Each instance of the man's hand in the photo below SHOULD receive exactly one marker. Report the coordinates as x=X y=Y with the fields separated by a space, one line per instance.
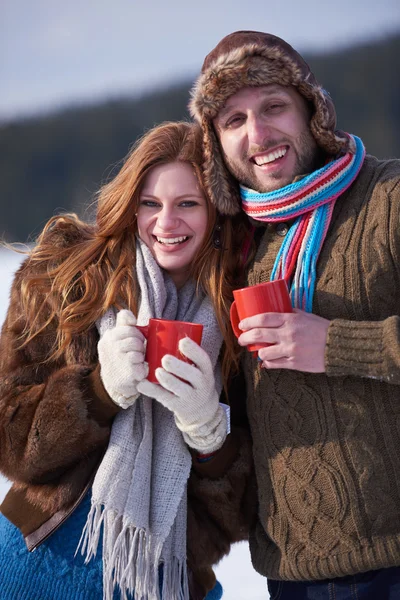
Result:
x=299 y=340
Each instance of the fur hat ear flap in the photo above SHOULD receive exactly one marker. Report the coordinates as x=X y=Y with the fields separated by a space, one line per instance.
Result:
x=323 y=122
x=222 y=189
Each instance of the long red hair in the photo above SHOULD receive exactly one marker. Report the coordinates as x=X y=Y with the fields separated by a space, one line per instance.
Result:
x=90 y=267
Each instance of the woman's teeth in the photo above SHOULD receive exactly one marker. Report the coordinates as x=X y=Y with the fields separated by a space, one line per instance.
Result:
x=169 y=241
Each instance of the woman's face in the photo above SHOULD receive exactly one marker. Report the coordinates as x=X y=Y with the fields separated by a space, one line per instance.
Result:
x=172 y=217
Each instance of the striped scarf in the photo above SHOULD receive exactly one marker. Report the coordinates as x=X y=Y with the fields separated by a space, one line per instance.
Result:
x=310 y=202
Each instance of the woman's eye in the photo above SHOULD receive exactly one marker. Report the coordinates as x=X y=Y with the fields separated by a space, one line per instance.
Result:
x=188 y=203
x=149 y=203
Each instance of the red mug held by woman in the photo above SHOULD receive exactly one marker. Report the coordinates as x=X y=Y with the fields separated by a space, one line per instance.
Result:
x=163 y=338
x=272 y=296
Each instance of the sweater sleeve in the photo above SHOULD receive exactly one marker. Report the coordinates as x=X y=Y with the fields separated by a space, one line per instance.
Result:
x=364 y=349
x=53 y=413
x=371 y=347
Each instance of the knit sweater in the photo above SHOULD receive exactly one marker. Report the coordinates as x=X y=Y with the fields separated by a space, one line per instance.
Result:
x=327 y=446
x=54 y=571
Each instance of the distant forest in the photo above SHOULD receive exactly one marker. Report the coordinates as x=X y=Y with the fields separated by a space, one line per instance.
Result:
x=56 y=163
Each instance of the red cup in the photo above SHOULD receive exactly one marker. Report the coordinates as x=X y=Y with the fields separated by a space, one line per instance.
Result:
x=163 y=338
x=272 y=296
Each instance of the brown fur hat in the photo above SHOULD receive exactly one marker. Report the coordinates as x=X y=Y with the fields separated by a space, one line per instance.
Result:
x=251 y=58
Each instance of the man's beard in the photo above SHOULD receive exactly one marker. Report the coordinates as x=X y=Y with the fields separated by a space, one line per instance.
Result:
x=307 y=161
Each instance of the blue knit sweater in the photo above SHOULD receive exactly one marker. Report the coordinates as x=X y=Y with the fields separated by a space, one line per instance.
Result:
x=52 y=572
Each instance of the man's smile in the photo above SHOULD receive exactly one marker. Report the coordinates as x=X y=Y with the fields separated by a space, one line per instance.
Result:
x=269 y=157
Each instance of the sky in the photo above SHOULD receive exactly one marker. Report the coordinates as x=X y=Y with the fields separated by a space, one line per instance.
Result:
x=55 y=53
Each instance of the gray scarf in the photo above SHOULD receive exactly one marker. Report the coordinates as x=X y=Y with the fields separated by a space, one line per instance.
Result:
x=139 y=492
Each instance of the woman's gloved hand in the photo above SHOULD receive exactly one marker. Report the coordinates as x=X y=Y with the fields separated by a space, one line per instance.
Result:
x=121 y=355
x=194 y=401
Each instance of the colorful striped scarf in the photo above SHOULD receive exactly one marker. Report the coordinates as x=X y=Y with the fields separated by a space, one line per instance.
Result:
x=310 y=202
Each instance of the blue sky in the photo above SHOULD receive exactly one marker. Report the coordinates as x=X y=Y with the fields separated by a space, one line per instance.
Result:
x=53 y=53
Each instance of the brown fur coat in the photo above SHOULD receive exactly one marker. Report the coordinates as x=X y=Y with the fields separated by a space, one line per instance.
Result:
x=55 y=422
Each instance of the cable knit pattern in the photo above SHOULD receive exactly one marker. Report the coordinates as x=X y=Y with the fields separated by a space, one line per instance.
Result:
x=327 y=446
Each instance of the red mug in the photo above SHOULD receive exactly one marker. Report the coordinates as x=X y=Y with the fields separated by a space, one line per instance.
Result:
x=163 y=338
x=272 y=296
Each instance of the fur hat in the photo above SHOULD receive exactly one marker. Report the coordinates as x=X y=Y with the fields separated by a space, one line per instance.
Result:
x=251 y=58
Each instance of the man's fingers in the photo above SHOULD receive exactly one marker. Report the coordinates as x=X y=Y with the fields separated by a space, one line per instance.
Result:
x=260 y=336
x=275 y=352
x=265 y=320
x=280 y=363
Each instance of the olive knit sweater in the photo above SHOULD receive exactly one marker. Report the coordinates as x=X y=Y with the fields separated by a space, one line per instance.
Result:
x=327 y=446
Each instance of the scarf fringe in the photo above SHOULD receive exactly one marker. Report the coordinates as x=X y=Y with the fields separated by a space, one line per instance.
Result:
x=175 y=581
x=90 y=536
x=134 y=564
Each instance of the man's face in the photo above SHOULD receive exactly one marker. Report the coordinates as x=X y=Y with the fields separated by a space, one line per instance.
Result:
x=265 y=136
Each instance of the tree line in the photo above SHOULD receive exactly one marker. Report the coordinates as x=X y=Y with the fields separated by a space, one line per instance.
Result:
x=57 y=162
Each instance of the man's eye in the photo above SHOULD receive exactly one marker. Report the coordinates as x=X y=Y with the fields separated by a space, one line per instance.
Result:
x=235 y=121
x=274 y=107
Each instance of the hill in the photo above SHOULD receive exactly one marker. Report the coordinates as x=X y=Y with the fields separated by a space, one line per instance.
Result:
x=57 y=162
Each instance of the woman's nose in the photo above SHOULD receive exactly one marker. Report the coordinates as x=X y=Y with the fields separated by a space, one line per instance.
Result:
x=167 y=219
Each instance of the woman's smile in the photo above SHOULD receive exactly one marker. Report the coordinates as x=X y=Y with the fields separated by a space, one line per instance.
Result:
x=172 y=217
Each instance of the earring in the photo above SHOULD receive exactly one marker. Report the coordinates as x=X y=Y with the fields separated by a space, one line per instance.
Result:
x=217 y=243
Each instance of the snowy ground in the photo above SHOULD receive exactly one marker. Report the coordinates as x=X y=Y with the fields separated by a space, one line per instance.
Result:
x=238 y=578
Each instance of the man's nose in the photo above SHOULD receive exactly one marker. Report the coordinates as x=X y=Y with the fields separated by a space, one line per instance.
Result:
x=257 y=130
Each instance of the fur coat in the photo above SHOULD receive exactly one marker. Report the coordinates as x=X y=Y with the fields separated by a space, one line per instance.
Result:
x=55 y=422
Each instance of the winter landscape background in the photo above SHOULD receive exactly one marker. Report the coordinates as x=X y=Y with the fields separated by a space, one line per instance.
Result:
x=75 y=77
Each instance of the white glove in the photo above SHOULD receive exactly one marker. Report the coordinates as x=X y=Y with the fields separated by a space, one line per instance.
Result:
x=194 y=402
x=121 y=356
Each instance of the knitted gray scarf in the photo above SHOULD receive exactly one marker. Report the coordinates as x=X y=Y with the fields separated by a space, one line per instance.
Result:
x=139 y=492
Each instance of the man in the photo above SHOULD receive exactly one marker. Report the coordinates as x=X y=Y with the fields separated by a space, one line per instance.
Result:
x=324 y=397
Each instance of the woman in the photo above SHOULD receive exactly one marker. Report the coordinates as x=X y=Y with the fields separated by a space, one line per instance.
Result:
x=136 y=483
